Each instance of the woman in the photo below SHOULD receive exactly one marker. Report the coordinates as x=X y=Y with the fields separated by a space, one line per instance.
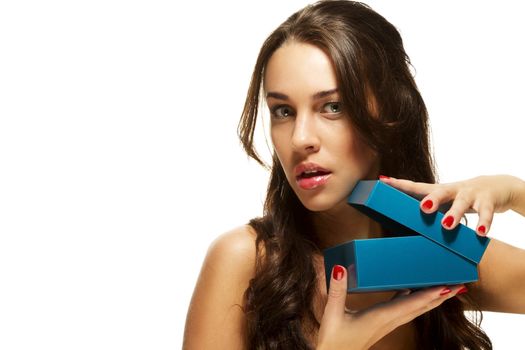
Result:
x=344 y=107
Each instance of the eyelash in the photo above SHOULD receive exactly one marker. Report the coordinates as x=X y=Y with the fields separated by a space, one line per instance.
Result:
x=274 y=110
x=333 y=103
x=277 y=108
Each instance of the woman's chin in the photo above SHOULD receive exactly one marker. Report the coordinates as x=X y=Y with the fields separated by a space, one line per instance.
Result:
x=318 y=205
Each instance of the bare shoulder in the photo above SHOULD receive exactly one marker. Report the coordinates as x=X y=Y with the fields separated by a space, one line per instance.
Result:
x=234 y=246
x=216 y=316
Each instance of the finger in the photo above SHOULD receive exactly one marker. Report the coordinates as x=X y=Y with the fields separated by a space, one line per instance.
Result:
x=445 y=294
x=486 y=214
x=453 y=215
x=438 y=199
x=404 y=309
x=335 y=305
x=418 y=303
x=414 y=189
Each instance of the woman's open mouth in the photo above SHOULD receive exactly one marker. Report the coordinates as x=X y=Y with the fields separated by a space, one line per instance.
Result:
x=310 y=179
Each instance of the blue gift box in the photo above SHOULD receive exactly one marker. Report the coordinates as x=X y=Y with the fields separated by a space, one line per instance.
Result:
x=425 y=254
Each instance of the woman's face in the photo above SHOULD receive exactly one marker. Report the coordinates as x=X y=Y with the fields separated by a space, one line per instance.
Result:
x=311 y=134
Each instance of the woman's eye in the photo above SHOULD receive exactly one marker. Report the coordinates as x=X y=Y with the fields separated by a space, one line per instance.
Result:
x=332 y=107
x=282 y=111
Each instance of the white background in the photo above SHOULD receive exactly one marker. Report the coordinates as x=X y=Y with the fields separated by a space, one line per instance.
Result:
x=119 y=162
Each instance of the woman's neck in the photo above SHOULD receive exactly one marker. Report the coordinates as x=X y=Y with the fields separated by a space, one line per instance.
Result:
x=343 y=223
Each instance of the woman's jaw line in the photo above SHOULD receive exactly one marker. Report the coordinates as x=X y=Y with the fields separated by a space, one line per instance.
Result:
x=343 y=223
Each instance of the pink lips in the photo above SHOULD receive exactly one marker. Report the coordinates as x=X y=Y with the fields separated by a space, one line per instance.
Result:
x=311 y=175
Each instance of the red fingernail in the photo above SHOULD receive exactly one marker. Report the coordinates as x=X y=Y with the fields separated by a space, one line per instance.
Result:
x=338 y=272
x=428 y=204
x=482 y=229
x=383 y=177
x=462 y=290
x=445 y=291
x=449 y=220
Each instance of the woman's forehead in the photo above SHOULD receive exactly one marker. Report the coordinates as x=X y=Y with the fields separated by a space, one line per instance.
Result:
x=299 y=68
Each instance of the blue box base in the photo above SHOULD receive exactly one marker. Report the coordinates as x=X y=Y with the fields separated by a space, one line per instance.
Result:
x=398 y=263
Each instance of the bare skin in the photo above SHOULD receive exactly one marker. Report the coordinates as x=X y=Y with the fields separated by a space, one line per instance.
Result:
x=308 y=125
x=215 y=318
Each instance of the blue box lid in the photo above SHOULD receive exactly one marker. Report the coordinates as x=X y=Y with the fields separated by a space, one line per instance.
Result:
x=392 y=208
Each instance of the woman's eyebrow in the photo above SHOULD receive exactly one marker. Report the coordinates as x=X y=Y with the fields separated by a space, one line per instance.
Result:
x=324 y=93
x=277 y=95
x=316 y=96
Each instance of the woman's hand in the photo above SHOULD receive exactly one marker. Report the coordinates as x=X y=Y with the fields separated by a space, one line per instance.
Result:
x=362 y=329
x=485 y=195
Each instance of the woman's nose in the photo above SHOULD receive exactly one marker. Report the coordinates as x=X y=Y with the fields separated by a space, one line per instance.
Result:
x=305 y=137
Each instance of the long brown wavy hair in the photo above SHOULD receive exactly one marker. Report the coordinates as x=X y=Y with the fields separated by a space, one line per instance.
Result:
x=369 y=60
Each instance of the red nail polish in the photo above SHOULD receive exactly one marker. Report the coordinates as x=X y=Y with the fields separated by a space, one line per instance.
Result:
x=338 y=272
x=445 y=291
x=482 y=229
x=449 y=220
x=462 y=291
x=428 y=204
x=383 y=177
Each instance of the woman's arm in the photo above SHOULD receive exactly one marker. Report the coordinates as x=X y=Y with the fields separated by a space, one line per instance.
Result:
x=501 y=284
x=215 y=317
